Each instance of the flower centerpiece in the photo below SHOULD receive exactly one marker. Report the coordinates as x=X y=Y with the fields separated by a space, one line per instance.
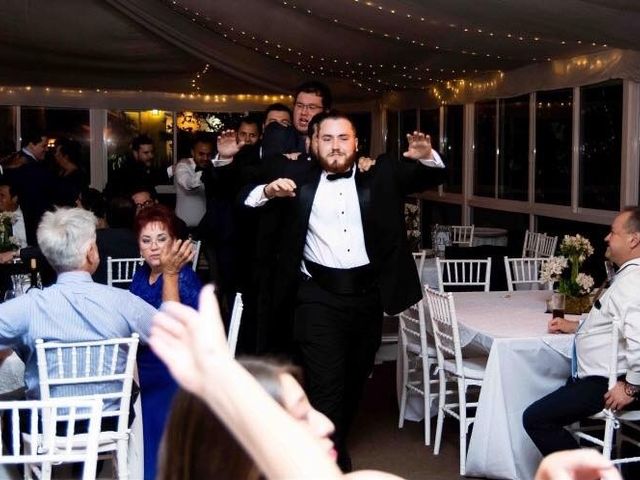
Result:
x=7 y=242
x=565 y=270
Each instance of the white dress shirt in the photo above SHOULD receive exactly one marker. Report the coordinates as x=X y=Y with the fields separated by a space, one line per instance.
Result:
x=620 y=303
x=191 y=202
x=335 y=237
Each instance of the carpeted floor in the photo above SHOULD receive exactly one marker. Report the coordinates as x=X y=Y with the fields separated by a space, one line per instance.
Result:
x=377 y=443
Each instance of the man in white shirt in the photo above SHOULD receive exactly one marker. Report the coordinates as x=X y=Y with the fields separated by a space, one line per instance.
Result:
x=191 y=202
x=585 y=392
x=9 y=204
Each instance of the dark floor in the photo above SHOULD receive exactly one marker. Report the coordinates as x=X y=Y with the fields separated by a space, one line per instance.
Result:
x=377 y=443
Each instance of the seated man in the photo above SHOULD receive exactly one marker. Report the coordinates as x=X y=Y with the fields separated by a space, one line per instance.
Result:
x=585 y=393
x=74 y=308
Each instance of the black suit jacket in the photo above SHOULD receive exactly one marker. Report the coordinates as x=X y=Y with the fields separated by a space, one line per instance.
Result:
x=381 y=193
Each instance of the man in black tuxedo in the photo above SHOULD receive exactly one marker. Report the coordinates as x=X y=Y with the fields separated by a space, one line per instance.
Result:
x=344 y=255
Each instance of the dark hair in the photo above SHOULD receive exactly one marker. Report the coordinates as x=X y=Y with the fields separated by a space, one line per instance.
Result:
x=121 y=212
x=142 y=139
x=633 y=223
x=32 y=137
x=334 y=115
x=317 y=88
x=157 y=213
x=250 y=120
x=202 y=137
x=196 y=444
x=277 y=107
x=151 y=190
x=92 y=200
x=6 y=183
x=312 y=126
x=69 y=148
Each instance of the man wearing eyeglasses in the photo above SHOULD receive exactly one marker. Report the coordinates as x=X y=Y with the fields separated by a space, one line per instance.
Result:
x=311 y=98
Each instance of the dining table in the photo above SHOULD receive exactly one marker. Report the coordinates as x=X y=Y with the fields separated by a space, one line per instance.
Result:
x=525 y=363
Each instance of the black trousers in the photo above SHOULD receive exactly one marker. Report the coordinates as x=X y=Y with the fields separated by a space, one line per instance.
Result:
x=578 y=399
x=337 y=336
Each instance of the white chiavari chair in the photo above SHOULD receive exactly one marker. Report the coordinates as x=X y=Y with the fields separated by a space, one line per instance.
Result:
x=234 y=323
x=101 y=369
x=464 y=273
x=462 y=235
x=44 y=433
x=120 y=271
x=452 y=367
x=524 y=273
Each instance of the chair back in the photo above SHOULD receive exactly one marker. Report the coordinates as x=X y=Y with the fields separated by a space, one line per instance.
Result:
x=464 y=273
x=49 y=436
x=234 y=323
x=412 y=327
x=419 y=257
x=100 y=369
x=524 y=272
x=546 y=246
x=462 y=235
x=445 y=327
x=530 y=245
x=120 y=271
x=196 y=244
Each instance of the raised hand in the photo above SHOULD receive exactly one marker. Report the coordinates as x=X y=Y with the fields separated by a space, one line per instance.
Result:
x=282 y=187
x=191 y=343
x=365 y=163
x=175 y=255
x=582 y=464
x=227 y=144
x=419 y=146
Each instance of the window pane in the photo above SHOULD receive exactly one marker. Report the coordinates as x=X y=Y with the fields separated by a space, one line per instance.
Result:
x=430 y=124
x=392 y=134
x=60 y=123
x=600 y=145
x=553 y=146
x=484 y=172
x=362 y=121
x=7 y=131
x=440 y=213
x=123 y=126
x=515 y=223
x=452 y=146
x=408 y=124
x=513 y=160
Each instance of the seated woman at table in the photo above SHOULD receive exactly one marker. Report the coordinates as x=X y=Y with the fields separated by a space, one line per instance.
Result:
x=164 y=276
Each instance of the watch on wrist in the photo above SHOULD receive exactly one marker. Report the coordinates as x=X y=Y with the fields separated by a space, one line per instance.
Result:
x=631 y=390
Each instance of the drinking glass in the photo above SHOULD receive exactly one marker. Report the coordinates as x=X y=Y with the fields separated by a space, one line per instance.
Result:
x=557 y=305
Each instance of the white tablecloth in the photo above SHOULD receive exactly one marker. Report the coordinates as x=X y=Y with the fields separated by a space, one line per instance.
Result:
x=525 y=363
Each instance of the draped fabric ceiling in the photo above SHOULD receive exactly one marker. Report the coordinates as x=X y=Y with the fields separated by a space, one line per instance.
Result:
x=362 y=48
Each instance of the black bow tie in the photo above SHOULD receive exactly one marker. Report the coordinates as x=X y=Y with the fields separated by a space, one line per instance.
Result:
x=334 y=176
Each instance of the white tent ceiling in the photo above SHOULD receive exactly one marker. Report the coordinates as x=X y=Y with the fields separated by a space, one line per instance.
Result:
x=361 y=48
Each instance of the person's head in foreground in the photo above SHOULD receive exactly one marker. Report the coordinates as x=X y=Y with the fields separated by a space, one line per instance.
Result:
x=156 y=228
x=67 y=238
x=581 y=464
x=623 y=241
x=197 y=445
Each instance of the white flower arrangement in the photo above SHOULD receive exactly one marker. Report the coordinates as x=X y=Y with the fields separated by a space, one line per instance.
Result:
x=575 y=250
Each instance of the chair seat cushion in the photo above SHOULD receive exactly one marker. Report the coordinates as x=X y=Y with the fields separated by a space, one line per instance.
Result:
x=473 y=367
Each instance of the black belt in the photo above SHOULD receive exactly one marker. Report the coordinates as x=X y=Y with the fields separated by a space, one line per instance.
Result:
x=343 y=281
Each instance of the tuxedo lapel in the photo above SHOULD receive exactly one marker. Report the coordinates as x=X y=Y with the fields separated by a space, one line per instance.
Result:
x=306 y=193
x=363 y=187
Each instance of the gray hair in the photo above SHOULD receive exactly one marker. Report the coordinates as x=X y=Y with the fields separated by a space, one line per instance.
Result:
x=64 y=236
x=633 y=222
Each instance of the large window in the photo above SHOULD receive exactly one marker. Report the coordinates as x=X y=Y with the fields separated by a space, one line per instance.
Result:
x=553 y=146
x=430 y=124
x=484 y=172
x=600 y=145
x=362 y=121
x=440 y=213
x=452 y=146
x=123 y=126
x=7 y=131
x=513 y=158
x=60 y=123
x=515 y=223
